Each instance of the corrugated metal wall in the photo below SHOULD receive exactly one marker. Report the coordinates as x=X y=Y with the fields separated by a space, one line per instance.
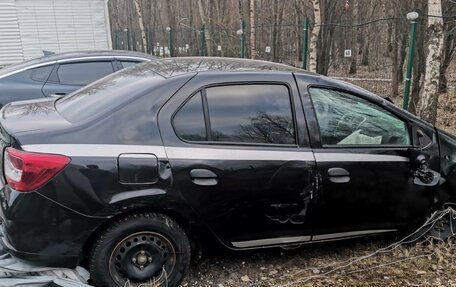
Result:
x=10 y=40
x=54 y=25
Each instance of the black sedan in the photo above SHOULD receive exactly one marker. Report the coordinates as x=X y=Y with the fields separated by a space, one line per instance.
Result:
x=131 y=172
x=59 y=75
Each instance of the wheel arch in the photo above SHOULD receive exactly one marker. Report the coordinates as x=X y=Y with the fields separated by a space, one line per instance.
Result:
x=186 y=223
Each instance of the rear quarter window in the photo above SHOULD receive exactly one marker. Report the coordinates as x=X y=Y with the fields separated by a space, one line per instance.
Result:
x=41 y=74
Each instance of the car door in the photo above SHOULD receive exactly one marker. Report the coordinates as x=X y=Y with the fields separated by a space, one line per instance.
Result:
x=363 y=153
x=240 y=156
x=70 y=76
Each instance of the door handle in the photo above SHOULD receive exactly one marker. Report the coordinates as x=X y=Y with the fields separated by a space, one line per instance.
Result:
x=338 y=175
x=203 y=177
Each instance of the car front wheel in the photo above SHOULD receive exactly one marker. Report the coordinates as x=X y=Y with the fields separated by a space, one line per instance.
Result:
x=145 y=249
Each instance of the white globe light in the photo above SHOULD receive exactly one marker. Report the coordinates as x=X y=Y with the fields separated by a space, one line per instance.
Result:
x=412 y=16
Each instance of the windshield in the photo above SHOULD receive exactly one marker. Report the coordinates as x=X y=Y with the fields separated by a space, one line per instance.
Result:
x=107 y=93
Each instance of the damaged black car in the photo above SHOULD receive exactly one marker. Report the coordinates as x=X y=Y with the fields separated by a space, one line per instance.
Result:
x=131 y=173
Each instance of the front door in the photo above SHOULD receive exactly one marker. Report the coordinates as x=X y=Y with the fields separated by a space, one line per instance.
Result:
x=240 y=157
x=363 y=158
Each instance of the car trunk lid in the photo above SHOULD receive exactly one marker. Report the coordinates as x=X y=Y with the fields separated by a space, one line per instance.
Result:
x=31 y=116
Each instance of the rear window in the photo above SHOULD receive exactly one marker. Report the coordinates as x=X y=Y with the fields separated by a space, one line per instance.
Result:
x=109 y=92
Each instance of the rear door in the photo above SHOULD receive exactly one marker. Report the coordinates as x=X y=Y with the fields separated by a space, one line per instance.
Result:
x=68 y=77
x=362 y=151
x=240 y=156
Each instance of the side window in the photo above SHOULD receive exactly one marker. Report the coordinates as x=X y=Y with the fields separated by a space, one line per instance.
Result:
x=126 y=64
x=189 y=121
x=345 y=119
x=81 y=74
x=251 y=114
x=41 y=74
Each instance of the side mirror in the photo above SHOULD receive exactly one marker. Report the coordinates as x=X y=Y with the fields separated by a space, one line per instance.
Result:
x=421 y=139
x=423 y=175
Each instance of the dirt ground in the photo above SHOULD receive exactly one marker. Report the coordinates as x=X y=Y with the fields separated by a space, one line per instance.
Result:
x=332 y=264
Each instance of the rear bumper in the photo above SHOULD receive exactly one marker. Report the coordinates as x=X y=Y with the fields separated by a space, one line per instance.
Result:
x=42 y=232
x=37 y=258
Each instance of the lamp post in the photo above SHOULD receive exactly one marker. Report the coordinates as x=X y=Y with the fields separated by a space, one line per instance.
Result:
x=412 y=17
x=127 y=36
x=170 y=41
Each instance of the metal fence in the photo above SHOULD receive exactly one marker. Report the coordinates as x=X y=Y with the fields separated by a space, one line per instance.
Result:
x=340 y=46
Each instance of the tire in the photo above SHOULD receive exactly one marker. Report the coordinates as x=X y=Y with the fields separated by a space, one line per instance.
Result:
x=443 y=229
x=138 y=249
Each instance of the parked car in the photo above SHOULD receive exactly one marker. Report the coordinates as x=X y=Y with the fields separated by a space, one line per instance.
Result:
x=61 y=74
x=134 y=170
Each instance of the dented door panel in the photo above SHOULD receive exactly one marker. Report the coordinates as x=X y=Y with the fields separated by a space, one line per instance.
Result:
x=248 y=195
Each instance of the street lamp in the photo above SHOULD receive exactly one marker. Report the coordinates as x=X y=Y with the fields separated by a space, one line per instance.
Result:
x=127 y=35
x=412 y=17
x=170 y=40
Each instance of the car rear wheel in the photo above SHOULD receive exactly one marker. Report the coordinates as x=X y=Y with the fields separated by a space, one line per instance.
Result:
x=144 y=249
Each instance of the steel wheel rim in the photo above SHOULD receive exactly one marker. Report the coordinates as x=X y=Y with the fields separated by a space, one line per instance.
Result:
x=121 y=259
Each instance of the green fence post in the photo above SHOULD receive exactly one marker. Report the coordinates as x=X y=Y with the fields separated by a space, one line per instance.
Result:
x=147 y=41
x=242 y=34
x=170 y=41
x=305 y=43
x=412 y=16
x=202 y=42
x=115 y=41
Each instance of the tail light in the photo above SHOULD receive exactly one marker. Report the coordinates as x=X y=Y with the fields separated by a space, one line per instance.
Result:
x=28 y=171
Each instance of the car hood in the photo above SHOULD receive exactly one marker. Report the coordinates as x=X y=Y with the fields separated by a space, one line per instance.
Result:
x=29 y=116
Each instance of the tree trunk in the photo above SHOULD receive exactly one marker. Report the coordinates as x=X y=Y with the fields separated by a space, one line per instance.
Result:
x=429 y=99
x=354 y=39
x=252 y=30
x=449 y=51
x=314 y=36
x=397 y=69
x=394 y=44
x=141 y=25
x=207 y=35
x=275 y=31
x=419 y=63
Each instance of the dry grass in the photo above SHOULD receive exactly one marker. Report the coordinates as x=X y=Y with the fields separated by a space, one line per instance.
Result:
x=424 y=264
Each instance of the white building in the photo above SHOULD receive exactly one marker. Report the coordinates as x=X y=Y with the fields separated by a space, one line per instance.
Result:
x=27 y=27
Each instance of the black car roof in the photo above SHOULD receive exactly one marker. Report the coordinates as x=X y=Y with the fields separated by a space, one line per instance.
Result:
x=169 y=67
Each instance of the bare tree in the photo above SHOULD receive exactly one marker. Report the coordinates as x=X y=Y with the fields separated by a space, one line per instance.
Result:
x=429 y=99
x=354 y=38
x=207 y=34
x=314 y=36
x=252 y=30
x=141 y=24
